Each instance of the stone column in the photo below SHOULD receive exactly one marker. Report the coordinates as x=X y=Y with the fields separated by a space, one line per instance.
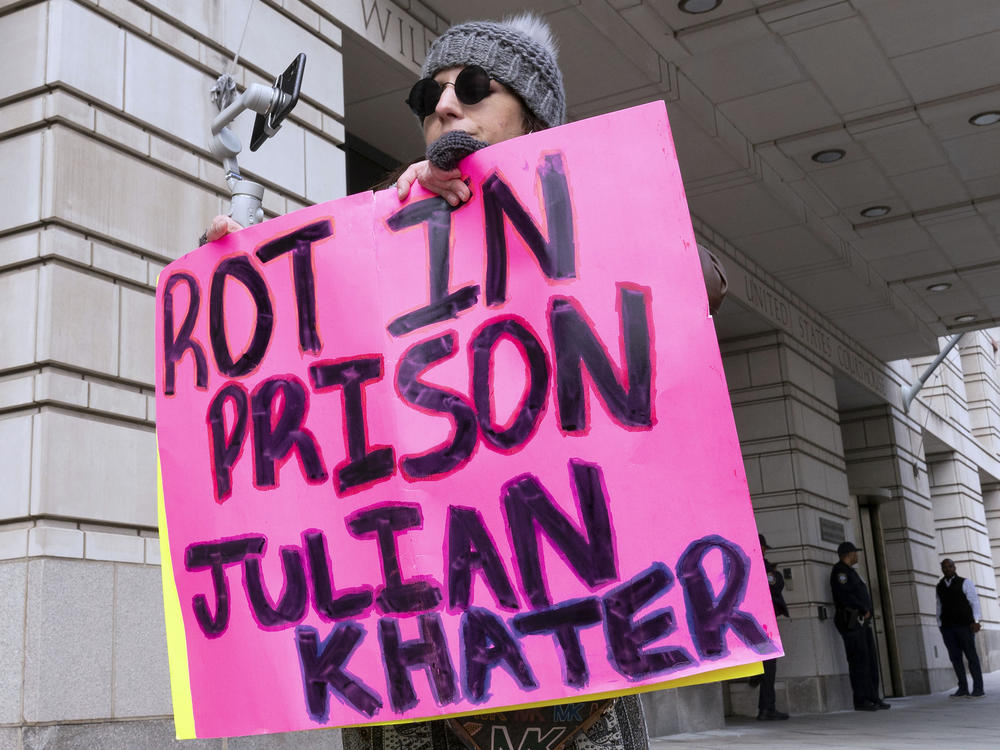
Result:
x=960 y=522
x=884 y=449
x=785 y=405
x=991 y=506
x=982 y=386
x=106 y=176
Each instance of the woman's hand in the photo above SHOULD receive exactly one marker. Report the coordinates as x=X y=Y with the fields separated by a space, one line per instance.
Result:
x=448 y=184
x=220 y=227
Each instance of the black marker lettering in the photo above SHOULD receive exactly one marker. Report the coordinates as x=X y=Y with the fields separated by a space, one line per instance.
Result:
x=627 y=639
x=574 y=343
x=300 y=244
x=323 y=671
x=444 y=458
x=486 y=642
x=350 y=603
x=557 y=255
x=709 y=615
x=384 y=522
x=564 y=622
x=227 y=445
x=482 y=387
x=363 y=466
x=217 y=555
x=241 y=269
x=471 y=548
x=430 y=651
x=591 y=556
x=444 y=305
x=291 y=605
x=174 y=346
x=273 y=442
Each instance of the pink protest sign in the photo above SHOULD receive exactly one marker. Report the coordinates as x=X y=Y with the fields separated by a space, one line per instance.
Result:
x=420 y=461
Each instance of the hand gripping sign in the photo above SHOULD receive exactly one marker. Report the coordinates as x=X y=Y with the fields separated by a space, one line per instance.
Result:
x=421 y=461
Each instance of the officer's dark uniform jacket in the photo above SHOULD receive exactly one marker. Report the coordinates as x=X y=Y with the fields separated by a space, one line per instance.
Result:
x=850 y=595
x=955 y=607
x=776 y=583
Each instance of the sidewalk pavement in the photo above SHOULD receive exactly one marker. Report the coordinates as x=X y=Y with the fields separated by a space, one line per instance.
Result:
x=932 y=721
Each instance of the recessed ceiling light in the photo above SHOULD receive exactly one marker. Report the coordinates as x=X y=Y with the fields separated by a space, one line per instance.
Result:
x=828 y=156
x=873 y=212
x=968 y=318
x=943 y=286
x=698 y=6
x=986 y=118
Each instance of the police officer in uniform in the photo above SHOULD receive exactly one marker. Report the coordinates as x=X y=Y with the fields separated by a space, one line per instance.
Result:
x=765 y=701
x=853 y=620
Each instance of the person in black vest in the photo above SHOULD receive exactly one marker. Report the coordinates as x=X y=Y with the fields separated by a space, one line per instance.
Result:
x=853 y=621
x=765 y=701
x=958 y=617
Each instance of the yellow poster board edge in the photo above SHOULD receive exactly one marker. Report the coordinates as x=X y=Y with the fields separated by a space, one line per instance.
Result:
x=180 y=675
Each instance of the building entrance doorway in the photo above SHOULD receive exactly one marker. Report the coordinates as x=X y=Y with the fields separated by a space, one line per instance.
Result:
x=873 y=568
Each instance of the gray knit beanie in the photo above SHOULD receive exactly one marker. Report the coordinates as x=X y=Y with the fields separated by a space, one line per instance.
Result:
x=519 y=52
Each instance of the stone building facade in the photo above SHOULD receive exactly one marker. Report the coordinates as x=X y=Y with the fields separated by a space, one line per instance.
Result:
x=106 y=176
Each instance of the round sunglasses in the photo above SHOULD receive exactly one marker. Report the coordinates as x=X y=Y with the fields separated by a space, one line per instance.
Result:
x=472 y=85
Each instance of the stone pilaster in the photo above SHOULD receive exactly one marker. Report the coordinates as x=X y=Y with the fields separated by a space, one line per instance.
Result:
x=785 y=405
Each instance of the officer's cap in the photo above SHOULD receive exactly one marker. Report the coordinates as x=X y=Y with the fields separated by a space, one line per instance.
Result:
x=845 y=548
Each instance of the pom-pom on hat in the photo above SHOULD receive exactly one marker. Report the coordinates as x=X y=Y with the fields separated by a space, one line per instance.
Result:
x=519 y=52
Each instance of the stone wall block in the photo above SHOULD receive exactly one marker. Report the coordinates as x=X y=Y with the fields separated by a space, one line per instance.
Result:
x=129 y=12
x=20 y=179
x=119 y=263
x=326 y=170
x=174 y=99
x=167 y=153
x=13 y=581
x=122 y=132
x=853 y=433
x=777 y=472
x=60 y=387
x=127 y=213
x=63 y=105
x=13 y=542
x=15 y=465
x=77 y=320
x=92 y=469
x=68 y=649
x=761 y=420
x=18 y=248
x=117 y=400
x=142 y=676
x=55 y=541
x=751 y=465
x=136 y=357
x=737 y=369
x=86 y=52
x=152 y=550
x=765 y=366
x=23 y=32
x=17 y=391
x=113 y=546
x=61 y=243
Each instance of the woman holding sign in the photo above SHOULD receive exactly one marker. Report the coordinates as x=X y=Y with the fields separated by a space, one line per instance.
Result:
x=485 y=82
